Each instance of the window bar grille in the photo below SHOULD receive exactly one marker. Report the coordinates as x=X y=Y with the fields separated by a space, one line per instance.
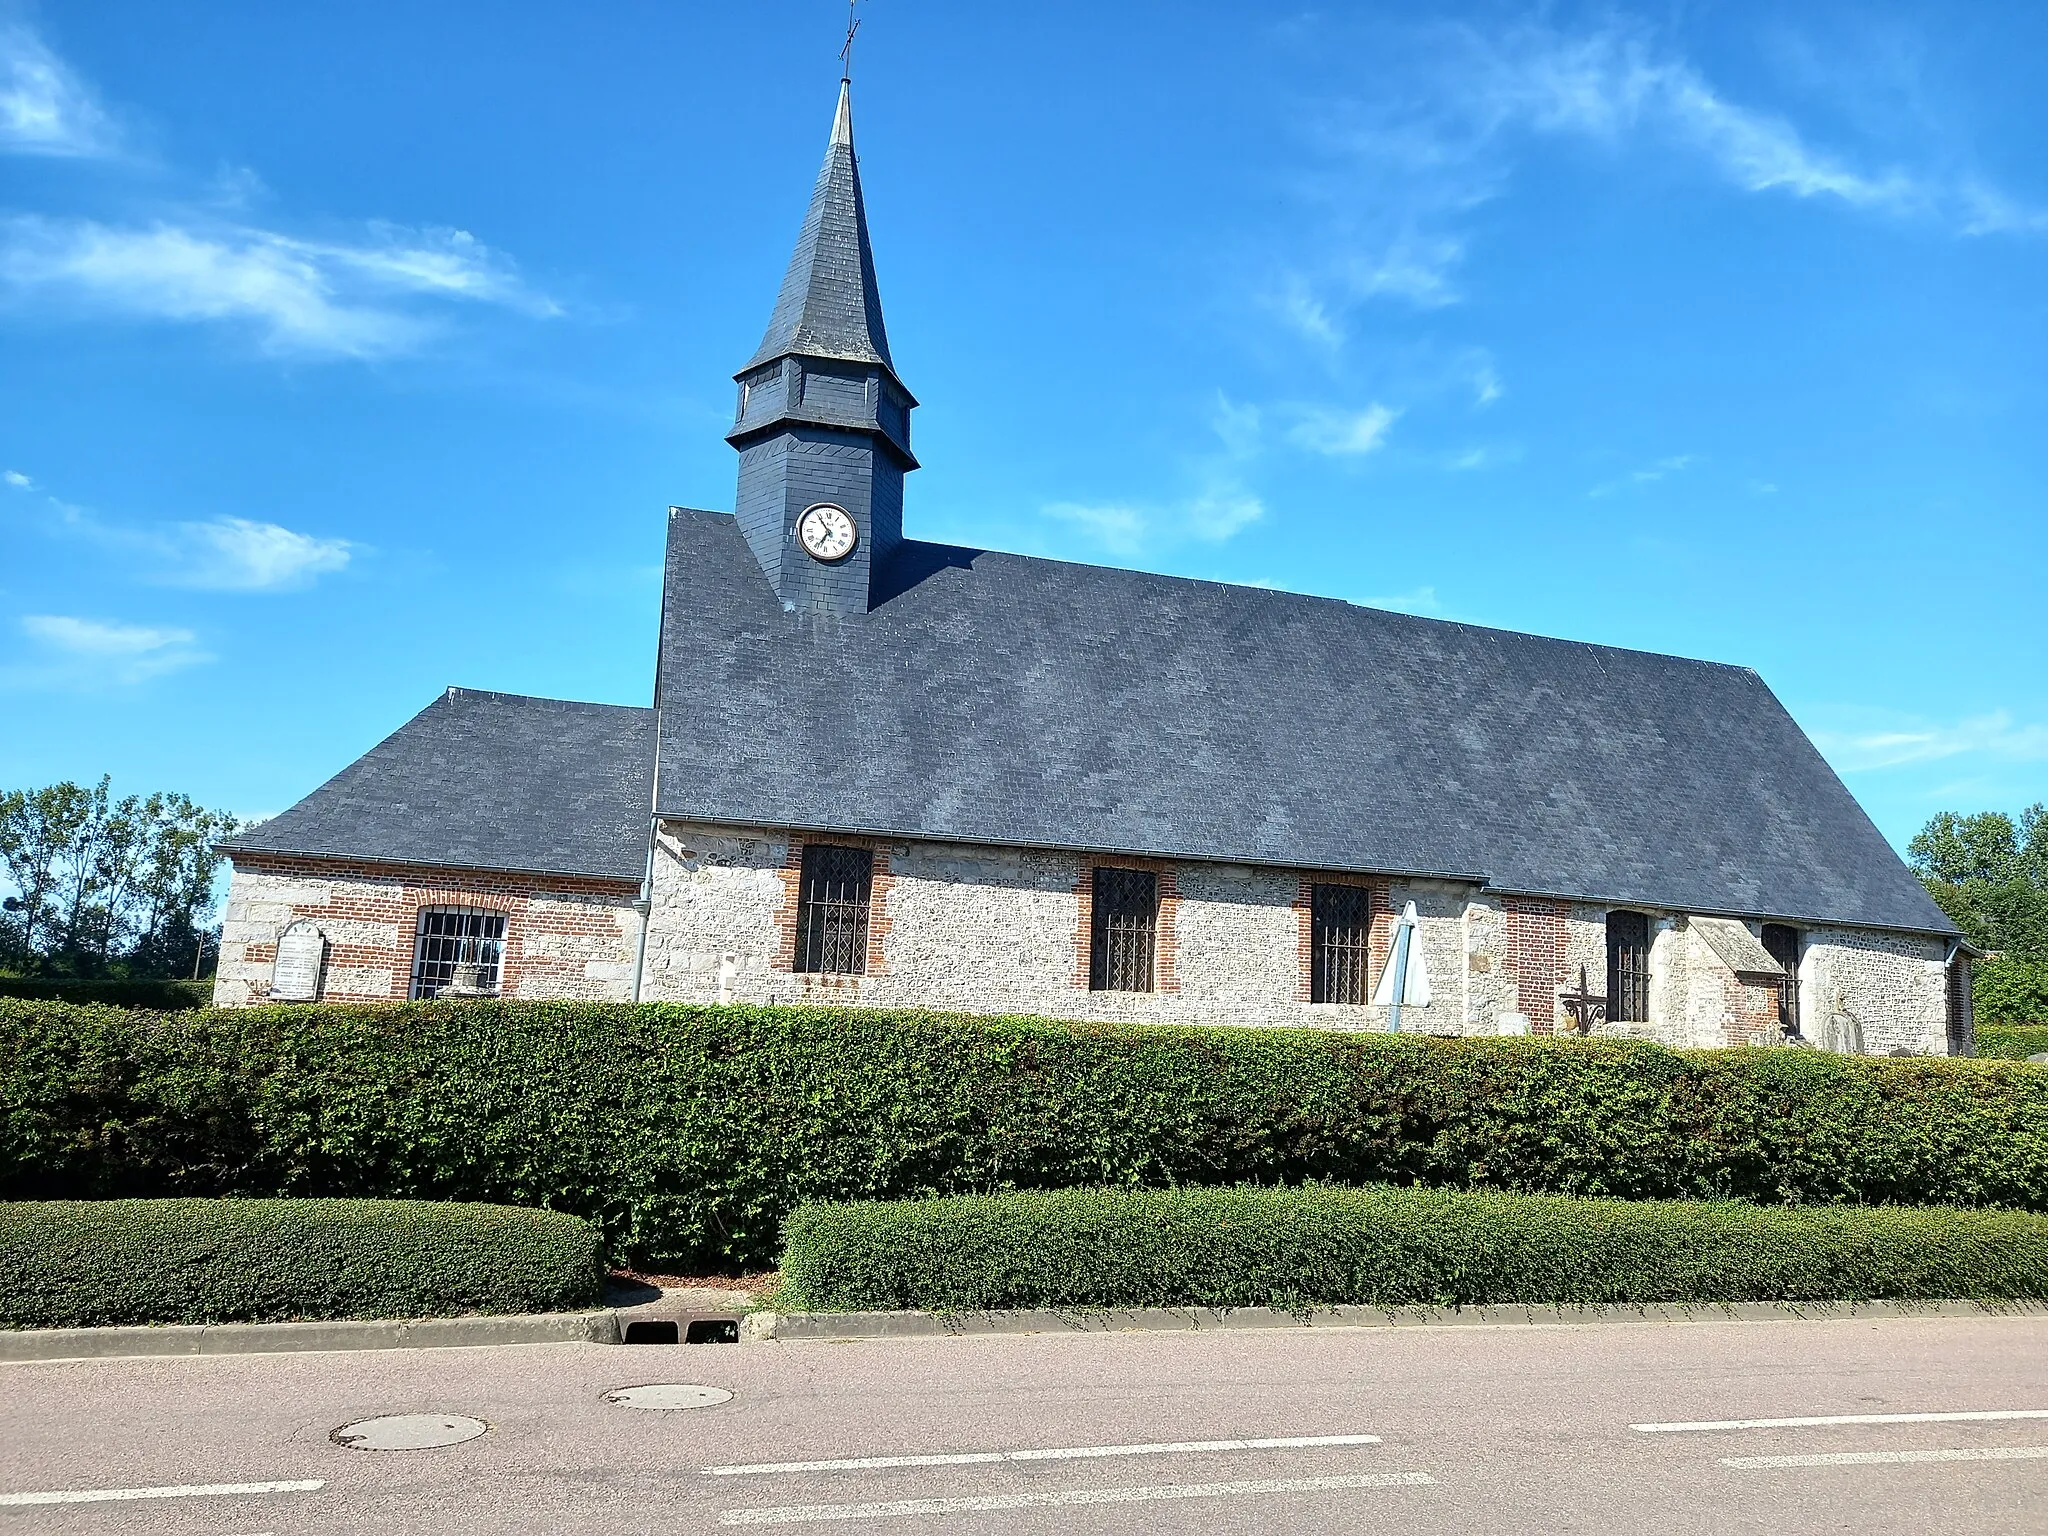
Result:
x=1628 y=968
x=458 y=949
x=1340 y=943
x=1781 y=941
x=1126 y=927
x=832 y=901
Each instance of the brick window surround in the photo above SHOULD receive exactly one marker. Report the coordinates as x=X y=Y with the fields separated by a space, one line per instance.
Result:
x=1379 y=903
x=789 y=910
x=1166 y=956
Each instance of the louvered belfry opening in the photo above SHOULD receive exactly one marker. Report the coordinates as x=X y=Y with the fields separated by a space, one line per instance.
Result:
x=1782 y=941
x=457 y=949
x=1340 y=943
x=1628 y=968
x=1126 y=930
x=832 y=905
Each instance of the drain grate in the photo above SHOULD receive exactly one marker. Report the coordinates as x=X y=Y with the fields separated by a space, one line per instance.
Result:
x=408 y=1432
x=668 y=1396
x=651 y=1331
x=713 y=1330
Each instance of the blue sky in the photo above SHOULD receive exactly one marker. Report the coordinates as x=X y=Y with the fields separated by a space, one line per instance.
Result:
x=350 y=352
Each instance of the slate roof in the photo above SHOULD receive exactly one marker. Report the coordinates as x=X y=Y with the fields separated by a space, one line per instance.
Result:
x=1739 y=949
x=1002 y=699
x=486 y=781
x=830 y=304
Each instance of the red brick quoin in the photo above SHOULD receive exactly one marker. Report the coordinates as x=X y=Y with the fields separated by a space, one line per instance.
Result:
x=536 y=907
x=1536 y=954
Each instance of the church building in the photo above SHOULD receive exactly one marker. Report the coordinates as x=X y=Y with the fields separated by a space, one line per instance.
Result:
x=882 y=771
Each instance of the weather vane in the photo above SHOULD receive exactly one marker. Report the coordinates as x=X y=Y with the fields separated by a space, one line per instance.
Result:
x=846 y=48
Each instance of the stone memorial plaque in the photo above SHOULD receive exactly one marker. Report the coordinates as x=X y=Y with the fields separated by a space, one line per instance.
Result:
x=300 y=950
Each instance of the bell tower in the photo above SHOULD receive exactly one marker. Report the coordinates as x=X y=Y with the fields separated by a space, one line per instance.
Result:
x=823 y=424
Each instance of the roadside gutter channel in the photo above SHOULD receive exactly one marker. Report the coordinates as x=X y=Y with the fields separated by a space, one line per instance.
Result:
x=618 y=1325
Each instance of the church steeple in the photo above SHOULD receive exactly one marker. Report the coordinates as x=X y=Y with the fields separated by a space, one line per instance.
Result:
x=823 y=421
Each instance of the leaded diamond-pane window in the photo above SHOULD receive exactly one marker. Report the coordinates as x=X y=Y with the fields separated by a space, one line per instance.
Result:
x=1126 y=930
x=458 y=951
x=1340 y=940
x=832 y=909
x=1628 y=968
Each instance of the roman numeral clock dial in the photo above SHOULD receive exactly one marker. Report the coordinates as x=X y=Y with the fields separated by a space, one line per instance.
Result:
x=826 y=532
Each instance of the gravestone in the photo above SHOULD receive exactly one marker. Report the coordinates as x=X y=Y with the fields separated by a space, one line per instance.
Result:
x=301 y=952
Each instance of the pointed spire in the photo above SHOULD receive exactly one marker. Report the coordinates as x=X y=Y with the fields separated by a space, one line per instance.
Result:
x=829 y=305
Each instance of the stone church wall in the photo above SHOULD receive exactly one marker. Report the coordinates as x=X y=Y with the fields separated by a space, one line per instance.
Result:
x=563 y=937
x=994 y=930
x=1884 y=991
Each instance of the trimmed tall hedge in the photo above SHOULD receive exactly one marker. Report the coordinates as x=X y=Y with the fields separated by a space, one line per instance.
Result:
x=114 y=993
x=2012 y=1042
x=96 y=1263
x=687 y=1134
x=1296 y=1248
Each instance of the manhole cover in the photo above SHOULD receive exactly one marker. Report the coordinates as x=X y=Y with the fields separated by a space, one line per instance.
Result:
x=408 y=1432
x=668 y=1397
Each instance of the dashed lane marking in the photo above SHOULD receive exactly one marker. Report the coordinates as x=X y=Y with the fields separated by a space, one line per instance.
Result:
x=182 y=1491
x=802 y=1514
x=1846 y=1418
x=1056 y=1453
x=1891 y=1458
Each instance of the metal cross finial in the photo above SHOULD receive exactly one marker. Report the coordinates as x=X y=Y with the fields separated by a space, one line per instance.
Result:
x=846 y=49
x=1585 y=1007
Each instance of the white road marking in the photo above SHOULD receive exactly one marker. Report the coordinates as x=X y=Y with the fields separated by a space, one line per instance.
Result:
x=183 y=1491
x=801 y=1514
x=1884 y=1458
x=1059 y=1453
x=1846 y=1418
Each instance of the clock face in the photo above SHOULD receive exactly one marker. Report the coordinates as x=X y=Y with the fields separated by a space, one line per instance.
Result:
x=826 y=532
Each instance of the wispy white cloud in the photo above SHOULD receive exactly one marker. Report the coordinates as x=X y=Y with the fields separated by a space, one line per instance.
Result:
x=1221 y=507
x=45 y=109
x=18 y=480
x=1649 y=474
x=234 y=554
x=1409 y=163
x=1905 y=741
x=75 y=651
x=1422 y=601
x=1321 y=429
x=221 y=554
x=302 y=297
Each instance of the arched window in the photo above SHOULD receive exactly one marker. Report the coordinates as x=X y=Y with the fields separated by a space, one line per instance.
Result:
x=1628 y=968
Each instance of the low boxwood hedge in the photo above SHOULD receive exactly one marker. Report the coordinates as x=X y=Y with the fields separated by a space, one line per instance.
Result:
x=93 y=1263
x=687 y=1133
x=1380 y=1246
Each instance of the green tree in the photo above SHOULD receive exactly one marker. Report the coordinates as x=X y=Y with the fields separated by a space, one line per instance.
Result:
x=1990 y=875
x=107 y=884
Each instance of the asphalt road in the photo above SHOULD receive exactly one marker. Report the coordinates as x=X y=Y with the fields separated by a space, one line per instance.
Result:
x=1496 y=1430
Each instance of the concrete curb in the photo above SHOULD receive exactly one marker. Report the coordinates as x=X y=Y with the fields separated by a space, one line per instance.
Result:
x=280 y=1338
x=791 y=1326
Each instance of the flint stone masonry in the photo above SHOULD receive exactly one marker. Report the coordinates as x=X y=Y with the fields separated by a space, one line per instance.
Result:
x=996 y=930
x=565 y=937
